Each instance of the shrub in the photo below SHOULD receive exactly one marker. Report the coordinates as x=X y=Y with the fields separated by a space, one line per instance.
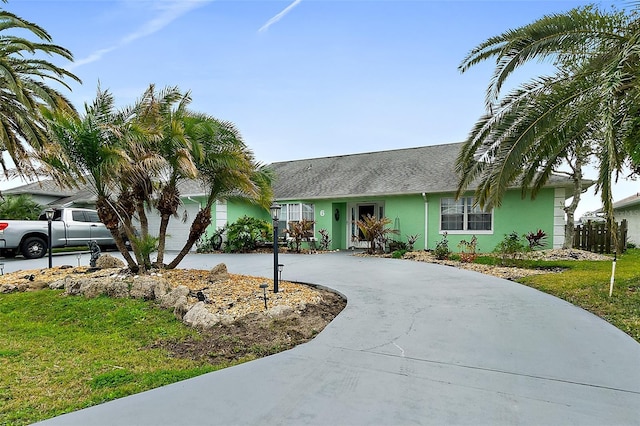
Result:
x=324 y=239
x=510 y=246
x=397 y=245
x=631 y=245
x=411 y=240
x=300 y=231
x=398 y=254
x=375 y=231
x=246 y=233
x=442 y=251
x=536 y=239
x=468 y=250
x=20 y=207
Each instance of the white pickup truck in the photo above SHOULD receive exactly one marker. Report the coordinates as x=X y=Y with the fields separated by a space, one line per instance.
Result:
x=70 y=227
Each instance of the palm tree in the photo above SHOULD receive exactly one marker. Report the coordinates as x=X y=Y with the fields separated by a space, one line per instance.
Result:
x=226 y=169
x=161 y=158
x=24 y=90
x=167 y=113
x=20 y=207
x=88 y=149
x=578 y=113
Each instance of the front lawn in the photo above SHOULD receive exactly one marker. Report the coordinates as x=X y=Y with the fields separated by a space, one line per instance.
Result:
x=586 y=284
x=59 y=354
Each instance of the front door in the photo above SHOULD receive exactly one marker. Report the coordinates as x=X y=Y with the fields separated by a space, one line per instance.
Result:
x=357 y=212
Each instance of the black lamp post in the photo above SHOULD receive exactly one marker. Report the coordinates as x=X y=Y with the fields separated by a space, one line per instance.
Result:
x=275 y=215
x=49 y=214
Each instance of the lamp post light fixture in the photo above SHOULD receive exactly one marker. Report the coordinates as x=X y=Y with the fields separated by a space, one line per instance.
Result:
x=275 y=215
x=264 y=286
x=49 y=214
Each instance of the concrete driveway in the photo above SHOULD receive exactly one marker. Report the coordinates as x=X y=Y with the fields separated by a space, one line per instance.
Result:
x=417 y=344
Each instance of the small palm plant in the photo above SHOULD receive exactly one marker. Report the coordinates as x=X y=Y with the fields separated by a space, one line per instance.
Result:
x=375 y=229
x=19 y=207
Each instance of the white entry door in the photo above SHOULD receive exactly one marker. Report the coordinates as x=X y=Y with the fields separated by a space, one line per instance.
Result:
x=357 y=212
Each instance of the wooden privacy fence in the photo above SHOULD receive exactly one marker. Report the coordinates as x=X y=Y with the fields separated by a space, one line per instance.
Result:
x=596 y=237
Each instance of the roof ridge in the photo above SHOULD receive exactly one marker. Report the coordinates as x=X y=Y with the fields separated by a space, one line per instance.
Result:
x=367 y=153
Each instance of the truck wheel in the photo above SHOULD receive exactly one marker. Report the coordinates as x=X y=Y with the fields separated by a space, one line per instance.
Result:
x=33 y=248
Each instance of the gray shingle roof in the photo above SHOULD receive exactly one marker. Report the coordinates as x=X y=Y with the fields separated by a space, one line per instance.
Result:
x=43 y=187
x=402 y=171
x=85 y=194
x=428 y=169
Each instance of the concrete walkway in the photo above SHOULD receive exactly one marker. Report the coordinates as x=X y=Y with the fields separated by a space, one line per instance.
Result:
x=417 y=344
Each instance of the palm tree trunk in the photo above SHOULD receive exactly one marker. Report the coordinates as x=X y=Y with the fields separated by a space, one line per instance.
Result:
x=122 y=248
x=142 y=218
x=162 y=237
x=198 y=228
x=109 y=217
x=143 y=262
x=167 y=206
x=569 y=229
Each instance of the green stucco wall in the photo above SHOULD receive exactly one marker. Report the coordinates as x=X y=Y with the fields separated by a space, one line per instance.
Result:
x=236 y=210
x=515 y=214
x=408 y=213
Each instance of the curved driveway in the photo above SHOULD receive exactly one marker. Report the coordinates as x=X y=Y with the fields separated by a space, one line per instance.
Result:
x=417 y=343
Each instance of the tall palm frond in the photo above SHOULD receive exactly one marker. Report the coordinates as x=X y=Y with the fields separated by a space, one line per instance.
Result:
x=24 y=91
x=589 y=102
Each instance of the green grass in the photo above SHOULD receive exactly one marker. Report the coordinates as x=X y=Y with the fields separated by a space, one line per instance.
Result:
x=59 y=354
x=586 y=284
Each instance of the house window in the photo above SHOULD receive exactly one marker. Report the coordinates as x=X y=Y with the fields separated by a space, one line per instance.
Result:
x=462 y=215
x=295 y=212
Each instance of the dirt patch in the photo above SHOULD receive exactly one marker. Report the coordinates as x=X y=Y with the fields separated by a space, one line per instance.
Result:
x=256 y=335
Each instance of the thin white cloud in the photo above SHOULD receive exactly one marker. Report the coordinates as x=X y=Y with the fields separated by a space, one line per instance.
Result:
x=279 y=16
x=169 y=12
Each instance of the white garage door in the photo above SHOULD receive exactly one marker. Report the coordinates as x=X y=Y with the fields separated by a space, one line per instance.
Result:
x=178 y=231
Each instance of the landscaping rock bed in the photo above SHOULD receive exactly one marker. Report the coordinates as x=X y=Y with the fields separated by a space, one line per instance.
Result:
x=509 y=273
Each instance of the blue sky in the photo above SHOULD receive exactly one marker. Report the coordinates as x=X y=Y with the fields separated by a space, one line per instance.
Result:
x=299 y=78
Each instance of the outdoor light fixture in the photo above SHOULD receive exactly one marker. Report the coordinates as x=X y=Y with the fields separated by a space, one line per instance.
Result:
x=264 y=286
x=275 y=215
x=49 y=215
x=1 y=268
x=280 y=268
x=79 y=257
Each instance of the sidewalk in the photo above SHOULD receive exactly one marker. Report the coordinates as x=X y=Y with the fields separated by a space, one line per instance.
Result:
x=417 y=344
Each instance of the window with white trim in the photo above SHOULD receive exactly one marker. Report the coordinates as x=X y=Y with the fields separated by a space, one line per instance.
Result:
x=295 y=212
x=462 y=215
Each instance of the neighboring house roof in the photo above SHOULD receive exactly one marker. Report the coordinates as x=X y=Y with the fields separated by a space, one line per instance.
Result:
x=85 y=195
x=627 y=202
x=428 y=169
x=43 y=187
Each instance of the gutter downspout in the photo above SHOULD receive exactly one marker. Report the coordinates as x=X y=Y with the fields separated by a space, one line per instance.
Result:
x=426 y=221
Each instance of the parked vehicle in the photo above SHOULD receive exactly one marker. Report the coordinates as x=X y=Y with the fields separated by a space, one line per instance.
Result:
x=70 y=227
